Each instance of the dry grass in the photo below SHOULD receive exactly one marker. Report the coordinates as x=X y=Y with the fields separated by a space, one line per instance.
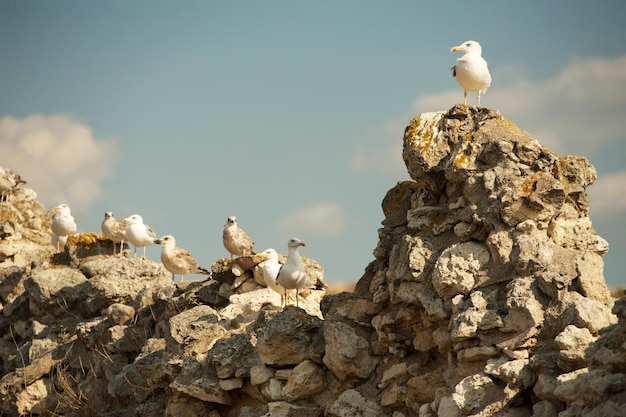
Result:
x=337 y=288
x=618 y=292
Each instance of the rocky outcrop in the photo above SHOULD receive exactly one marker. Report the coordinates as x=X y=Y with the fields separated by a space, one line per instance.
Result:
x=486 y=298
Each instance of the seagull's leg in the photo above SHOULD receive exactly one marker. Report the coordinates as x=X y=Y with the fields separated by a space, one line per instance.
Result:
x=182 y=278
x=479 y=99
x=465 y=97
x=286 y=299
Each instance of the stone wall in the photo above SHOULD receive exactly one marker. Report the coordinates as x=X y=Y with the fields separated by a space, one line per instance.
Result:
x=486 y=298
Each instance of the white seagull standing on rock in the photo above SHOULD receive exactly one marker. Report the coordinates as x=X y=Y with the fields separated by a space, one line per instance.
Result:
x=114 y=230
x=236 y=240
x=63 y=223
x=138 y=233
x=178 y=260
x=471 y=70
x=270 y=268
x=292 y=275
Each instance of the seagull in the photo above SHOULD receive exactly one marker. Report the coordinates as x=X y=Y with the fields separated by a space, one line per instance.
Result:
x=178 y=260
x=270 y=268
x=59 y=241
x=139 y=234
x=9 y=181
x=63 y=224
x=114 y=230
x=292 y=275
x=236 y=240
x=471 y=70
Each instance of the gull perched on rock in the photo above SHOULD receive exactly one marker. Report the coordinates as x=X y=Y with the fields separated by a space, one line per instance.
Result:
x=471 y=70
x=9 y=181
x=114 y=230
x=58 y=241
x=178 y=260
x=292 y=275
x=269 y=268
x=63 y=223
x=236 y=240
x=138 y=233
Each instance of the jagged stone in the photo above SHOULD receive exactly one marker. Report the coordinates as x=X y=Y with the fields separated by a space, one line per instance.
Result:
x=119 y=313
x=233 y=356
x=194 y=330
x=486 y=297
x=57 y=292
x=347 y=353
x=352 y=403
x=289 y=338
x=304 y=381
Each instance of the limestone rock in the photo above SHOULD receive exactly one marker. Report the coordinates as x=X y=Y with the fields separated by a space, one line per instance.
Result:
x=304 y=381
x=347 y=353
x=486 y=297
x=289 y=338
x=194 y=330
x=352 y=403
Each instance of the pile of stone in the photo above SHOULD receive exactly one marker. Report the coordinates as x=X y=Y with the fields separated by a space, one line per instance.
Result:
x=486 y=298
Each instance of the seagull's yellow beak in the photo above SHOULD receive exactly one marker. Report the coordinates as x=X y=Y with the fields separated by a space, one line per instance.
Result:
x=260 y=256
x=454 y=49
x=302 y=244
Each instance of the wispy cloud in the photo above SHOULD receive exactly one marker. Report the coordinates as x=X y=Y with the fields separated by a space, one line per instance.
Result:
x=572 y=113
x=608 y=193
x=59 y=157
x=324 y=220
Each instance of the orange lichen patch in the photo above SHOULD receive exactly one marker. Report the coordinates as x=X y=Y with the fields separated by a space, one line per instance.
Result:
x=84 y=239
x=6 y=214
x=462 y=156
x=422 y=132
x=460 y=160
x=528 y=185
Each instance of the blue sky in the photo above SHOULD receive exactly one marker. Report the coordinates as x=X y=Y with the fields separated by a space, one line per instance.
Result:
x=288 y=114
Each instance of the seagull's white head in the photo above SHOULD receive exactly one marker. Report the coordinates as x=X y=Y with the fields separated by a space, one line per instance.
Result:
x=268 y=254
x=62 y=208
x=294 y=243
x=134 y=219
x=468 y=47
x=231 y=221
x=166 y=241
x=108 y=215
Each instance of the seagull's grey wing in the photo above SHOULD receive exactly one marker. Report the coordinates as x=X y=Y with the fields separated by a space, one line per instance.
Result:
x=150 y=231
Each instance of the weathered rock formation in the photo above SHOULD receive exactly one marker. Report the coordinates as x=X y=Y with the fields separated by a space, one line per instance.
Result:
x=486 y=298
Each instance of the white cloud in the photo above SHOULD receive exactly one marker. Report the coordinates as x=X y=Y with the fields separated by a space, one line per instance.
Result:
x=608 y=193
x=324 y=219
x=571 y=113
x=59 y=158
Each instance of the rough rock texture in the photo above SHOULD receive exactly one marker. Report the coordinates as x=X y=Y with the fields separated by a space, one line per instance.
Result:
x=486 y=298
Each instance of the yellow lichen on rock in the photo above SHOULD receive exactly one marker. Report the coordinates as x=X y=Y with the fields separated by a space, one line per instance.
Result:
x=84 y=239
